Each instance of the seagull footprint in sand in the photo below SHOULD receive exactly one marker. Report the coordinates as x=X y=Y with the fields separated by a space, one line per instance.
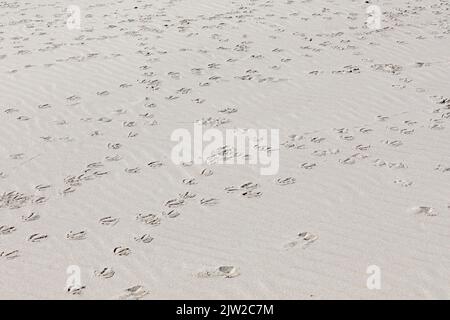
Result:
x=403 y=183
x=232 y=189
x=206 y=172
x=304 y=239
x=145 y=238
x=172 y=214
x=155 y=164
x=114 y=146
x=174 y=203
x=426 y=211
x=37 y=237
x=285 y=181
x=228 y=110
x=222 y=271
x=308 y=165
x=105 y=273
x=252 y=194
x=75 y=289
x=109 y=221
x=132 y=170
x=113 y=158
x=249 y=186
x=9 y=255
x=150 y=218
x=393 y=143
x=187 y=195
x=41 y=187
x=190 y=182
x=122 y=251
x=7 y=230
x=209 y=202
x=246 y=187
x=135 y=293
x=102 y=93
x=81 y=235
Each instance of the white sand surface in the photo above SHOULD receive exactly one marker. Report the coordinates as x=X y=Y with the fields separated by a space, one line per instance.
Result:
x=364 y=124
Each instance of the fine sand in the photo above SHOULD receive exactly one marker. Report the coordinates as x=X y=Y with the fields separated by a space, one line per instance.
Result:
x=360 y=206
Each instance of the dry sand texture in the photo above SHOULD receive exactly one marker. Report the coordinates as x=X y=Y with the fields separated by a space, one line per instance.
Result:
x=92 y=205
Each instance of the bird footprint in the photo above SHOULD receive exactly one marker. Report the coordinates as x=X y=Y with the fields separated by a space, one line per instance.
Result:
x=135 y=293
x=75 y=289
x=9 y=255
x=150 y=218
x=7 y=230
x=426 y=211
x=105 y=273
x=303 y=238
x=37 y=237
x=222 y=271
x=285 y=181
x=109 y=221
x=145 y=238
x=122 y=251
x=209 y=202
x=76 y=235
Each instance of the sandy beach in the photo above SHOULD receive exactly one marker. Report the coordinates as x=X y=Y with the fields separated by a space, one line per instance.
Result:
x=109 y=188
